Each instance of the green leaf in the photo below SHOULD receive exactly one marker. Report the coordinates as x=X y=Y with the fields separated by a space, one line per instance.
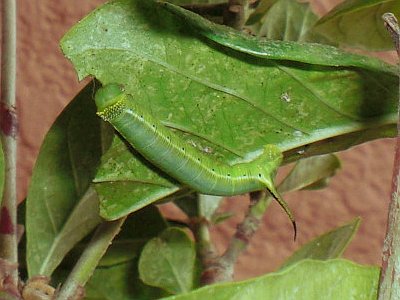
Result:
x=309 y=171
x=358 y=23
x=117 y=282
x=285 y=20
x=116 y=276
x=61 y=208
x=7 y=296
x=306 y=280
x=120 y=282
x=125 y=182
x=229 y=101
x=279 y=50
x=218 y=218
x=168 y=261
x=327 y=246
x=138 y=228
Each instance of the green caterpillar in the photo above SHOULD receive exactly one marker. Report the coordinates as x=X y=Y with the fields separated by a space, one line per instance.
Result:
x=180 y=159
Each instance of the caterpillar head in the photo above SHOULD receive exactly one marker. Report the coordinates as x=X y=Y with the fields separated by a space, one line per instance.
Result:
x=109 y=101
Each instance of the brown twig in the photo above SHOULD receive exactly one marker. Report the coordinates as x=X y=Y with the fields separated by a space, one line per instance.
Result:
x=8 y=132
x=237 y=13
x=221 y=268
x=389 y=287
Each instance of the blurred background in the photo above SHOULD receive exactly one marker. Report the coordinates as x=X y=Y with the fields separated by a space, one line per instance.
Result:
x=47 y=82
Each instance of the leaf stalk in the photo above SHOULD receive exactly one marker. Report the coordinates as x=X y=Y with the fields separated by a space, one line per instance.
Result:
x=389 y=287
x=87 y=263
x=8 y=133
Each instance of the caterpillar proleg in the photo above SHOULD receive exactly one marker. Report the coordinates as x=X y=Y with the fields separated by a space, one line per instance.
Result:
x=182 y=160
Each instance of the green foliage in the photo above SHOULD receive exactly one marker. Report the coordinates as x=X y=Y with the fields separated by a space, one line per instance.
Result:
x=116 y=276
x=327 y=246
x=310 y=172
x=168 y=261
x=358 y=23
x=177 y=77
x=307 y=280
x=61 y=210
x=126 y=182
x=120 y=282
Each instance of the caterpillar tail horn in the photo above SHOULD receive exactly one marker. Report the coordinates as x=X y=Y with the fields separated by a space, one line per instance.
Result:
x=285 y=207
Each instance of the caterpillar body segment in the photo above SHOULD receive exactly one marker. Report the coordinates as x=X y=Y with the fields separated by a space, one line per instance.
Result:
x=180 y=159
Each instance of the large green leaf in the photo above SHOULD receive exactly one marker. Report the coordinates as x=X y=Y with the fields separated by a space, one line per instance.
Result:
x=311 y=53
x=61 y=208
x=358 y=23
x=307 y=280
x=228 y=101
x=327 y=246
x=168 y=261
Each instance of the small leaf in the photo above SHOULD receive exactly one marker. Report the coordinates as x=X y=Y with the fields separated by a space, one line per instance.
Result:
x=221 y=217
x=168 y=262
x=310 y=171
x=120 y=282
x=285 y=20
x=307 y=280
x=358 y=23
x=327 y=246
x=117 y=282
x=60 y=207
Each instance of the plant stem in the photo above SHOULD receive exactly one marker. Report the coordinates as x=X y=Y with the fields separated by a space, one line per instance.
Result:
x=87 y=263
x=8 y=132
x=390 y=274
x=236 y=13
x=222 y=268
